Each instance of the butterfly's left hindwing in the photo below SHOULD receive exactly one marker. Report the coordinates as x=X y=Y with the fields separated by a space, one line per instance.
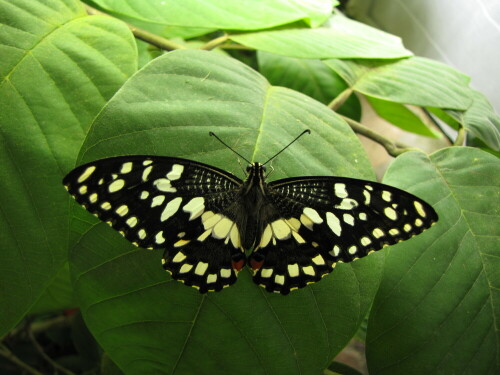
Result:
x=315 y=222
x=168 y=203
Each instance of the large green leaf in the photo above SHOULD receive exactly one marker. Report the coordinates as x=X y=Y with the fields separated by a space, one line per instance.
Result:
x=57 y=296
x=417 y=80
x=480 y=120
x=149 y=323
x=308 y=76
x=340 y=38
x=399 y=115
x=223 y=14
x=58 y=68
x=436 y=308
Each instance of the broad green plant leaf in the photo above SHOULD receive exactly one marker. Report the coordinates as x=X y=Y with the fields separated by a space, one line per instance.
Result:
x=417 y=80
x=308 y=76
x=57 y=296
x=400 y=116
x=58 y=68
x=223 y=14
x=341 y=38
x=149 y=323
x=480 y=120
x=437 y=306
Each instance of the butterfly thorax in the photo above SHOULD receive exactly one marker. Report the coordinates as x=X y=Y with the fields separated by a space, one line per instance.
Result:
x=253 y=201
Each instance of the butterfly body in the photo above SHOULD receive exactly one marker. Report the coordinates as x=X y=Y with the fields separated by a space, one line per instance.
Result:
x=206 y=219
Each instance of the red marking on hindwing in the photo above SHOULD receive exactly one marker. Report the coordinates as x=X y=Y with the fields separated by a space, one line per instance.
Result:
x=256 y=265
x=237 y=266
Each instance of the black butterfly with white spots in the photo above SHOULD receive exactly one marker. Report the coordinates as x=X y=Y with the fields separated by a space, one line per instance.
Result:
x=206 y=219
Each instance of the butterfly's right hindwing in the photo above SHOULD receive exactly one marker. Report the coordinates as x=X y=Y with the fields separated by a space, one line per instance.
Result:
x=168 y=203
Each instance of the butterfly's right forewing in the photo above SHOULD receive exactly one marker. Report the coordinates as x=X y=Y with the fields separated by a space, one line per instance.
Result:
x=174 y=204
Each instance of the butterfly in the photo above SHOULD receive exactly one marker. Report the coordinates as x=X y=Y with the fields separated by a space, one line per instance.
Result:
x=206 y=219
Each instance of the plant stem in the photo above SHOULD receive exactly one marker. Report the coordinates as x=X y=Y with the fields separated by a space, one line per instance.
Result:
x=436 y=124
x=7 y=354
x=145 y=36
x=215 y=42
x=459 y=141
x=49 y=360
x=337 y=102
x=389 y=145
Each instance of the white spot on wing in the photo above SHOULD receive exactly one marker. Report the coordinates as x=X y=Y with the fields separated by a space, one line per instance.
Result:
x=298 y=238
x=131 y=221
x=163 y=184
x=335 y=251
x=158 y=200
x=171 y=208
x=211 y=278
x=159 y=238
x=122 y=210
x=349 y=219
x=146 y=172
x=365 y=241
x=347 y=204
x=266 y=236
x=281 y=229
x=176 y=172
x=126 y=167
x=340 y=190
x=293 y=270
x=116 y=186
x=279 y=279
x=186 y=268
x=179 y=257
x=226 y=273
x=390 y=213
x=266 y=272
x=106 y=206
x=420 y=208
x=86 y=173
x=367 y=196
x=318 y=259
x=195 y=207
x=222 y=228
x=201 y=268
x=334 y=223
x=235 y=236
x=312 y=214
x=309 y=270
x=386 y=196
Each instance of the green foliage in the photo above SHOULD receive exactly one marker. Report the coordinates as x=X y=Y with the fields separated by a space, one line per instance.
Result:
x=70 y=93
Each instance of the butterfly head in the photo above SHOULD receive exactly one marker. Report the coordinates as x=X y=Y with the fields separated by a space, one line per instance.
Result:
x=256 y=168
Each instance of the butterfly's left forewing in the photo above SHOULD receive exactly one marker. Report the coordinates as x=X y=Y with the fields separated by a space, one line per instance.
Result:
x=170 y=203
x=316 y=222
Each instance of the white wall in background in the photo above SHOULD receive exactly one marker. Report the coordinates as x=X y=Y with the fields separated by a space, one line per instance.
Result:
x=462 y=33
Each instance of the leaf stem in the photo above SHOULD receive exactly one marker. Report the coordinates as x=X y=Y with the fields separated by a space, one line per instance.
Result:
x=49 y=360
x=459 y=141
x=144 y=35
x=215 y=42
x=339 y=101
x=436 y=124
x=388 y=144
x=7 y=354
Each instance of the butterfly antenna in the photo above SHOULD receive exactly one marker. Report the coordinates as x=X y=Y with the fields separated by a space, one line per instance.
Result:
x=288 y=145
x=212 y=134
